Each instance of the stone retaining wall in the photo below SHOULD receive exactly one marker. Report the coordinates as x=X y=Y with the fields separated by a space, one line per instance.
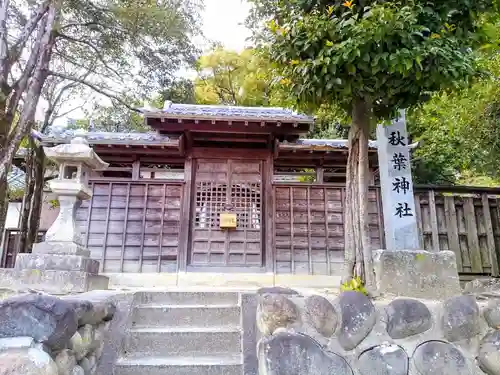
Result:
x=351 y=334
x=41 y=334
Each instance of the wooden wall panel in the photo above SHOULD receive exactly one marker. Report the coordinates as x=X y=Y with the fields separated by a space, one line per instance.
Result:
x=467 y=223
x=309 y=228
x=133 y=226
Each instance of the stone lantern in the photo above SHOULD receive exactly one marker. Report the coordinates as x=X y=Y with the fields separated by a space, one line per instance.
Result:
x=76 y=161
x=62 y=264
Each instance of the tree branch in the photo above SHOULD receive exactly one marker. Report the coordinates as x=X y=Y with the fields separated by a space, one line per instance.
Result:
x=30 y=26
x=95 y=88
x=4 y=46
x=94 y=48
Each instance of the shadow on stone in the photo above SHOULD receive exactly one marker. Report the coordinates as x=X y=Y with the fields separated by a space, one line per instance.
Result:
x=385 y=359
x=358 y=318
x=439 y=357
x=407 y=317
x=298 y=354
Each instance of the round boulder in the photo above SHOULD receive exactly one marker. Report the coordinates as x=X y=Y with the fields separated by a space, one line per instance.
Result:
x=289 y=353
x=65 y=361
x=358 y=318
x=87 y=334
x=27 y=362
x=84 y=310
x=407 y=317
x=385 y=359
x=322 y=315
x=489 y=353
x=492 y=313
x=77 y=370
x=438 y=357
x=77 y=345
x=460 y=318
x=47 y=319
x=85 y=365
x=275 y=311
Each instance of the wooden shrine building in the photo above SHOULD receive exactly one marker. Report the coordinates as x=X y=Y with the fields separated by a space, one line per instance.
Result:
x=226 y=189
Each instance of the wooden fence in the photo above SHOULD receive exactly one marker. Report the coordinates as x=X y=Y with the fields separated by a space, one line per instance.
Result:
x=464 y=220
x=133 y=226
x=309 y=227
x=11 y=241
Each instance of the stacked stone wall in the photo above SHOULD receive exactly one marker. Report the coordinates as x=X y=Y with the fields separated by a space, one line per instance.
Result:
x=351 y=334
x=42 y=334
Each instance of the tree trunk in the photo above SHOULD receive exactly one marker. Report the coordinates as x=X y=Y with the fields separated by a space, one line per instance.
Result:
x=36 y=204
x=358 y=253
x=27 y=200
x=4 y=203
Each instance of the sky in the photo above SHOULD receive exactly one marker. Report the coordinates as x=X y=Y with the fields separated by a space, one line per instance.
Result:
x=222 y=22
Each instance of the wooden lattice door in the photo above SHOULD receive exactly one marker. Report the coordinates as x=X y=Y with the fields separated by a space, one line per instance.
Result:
x=227 y=186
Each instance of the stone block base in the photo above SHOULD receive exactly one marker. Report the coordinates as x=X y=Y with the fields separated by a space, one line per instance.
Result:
x=418 y=274
x=57 y=262
x=59 y=248
x=52 y=281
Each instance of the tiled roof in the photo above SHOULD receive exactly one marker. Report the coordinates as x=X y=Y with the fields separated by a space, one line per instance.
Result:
x=322 y=143
x=227 y=112
x=15 y=179
x=61 y=135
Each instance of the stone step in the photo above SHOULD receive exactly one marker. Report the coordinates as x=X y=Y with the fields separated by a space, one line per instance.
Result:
x=182 y=365
x=189 y=298
x=187 y=341
x=160 y=315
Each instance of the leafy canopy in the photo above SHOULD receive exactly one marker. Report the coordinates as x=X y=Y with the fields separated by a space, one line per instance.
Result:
x=229 y=77
x=460 y=132
x=388 y=53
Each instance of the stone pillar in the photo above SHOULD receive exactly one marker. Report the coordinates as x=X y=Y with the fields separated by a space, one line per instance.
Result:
x=398 y=202
x=402 y=268
x=61 y=264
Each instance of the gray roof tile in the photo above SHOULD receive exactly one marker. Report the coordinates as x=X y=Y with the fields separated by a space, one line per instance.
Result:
x=61 y=135
x=229 y=112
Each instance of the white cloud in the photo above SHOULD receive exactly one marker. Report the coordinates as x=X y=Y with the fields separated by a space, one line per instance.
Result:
x=223 y=21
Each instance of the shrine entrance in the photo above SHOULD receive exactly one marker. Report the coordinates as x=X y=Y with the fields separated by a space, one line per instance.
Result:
x=231 y=188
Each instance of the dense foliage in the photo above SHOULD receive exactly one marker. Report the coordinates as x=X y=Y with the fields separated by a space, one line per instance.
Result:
x=370 y=58
x=391 y=53
x=460 y=133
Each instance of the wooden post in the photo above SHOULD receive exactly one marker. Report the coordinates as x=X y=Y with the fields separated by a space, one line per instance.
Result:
x=452 y=229
x=269 y=217
x=136 y=170
x=319 y=175
x=489 y=235
x=185 y=227
x=125 y=223
x=103 y=255
x=472 y=238
x=434 y=223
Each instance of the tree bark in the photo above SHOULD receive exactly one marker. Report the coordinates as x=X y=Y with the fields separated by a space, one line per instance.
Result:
x=4 y=203
x=358 y=252
x=27 y=200
x=36 y=203
x=27 y=116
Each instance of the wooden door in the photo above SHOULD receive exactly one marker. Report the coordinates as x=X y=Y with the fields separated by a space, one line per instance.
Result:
x=227 y=186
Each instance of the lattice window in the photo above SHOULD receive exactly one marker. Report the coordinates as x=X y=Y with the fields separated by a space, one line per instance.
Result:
x=212 y=200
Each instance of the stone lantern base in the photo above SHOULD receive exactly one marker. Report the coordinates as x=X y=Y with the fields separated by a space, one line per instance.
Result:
x=55 y=268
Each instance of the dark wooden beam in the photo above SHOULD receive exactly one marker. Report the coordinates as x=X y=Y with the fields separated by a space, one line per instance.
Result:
x=224 y=153
x=142 y=151
x=224 y=127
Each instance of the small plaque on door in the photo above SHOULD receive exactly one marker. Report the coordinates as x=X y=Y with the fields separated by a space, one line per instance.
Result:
x=227 y=220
